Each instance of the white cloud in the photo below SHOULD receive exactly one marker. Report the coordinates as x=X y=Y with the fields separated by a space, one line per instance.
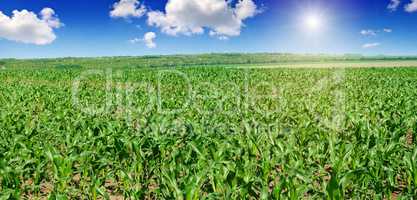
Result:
x=127 y=8
x=393 y=5
x=368 y=32
x=49 y=16
x=411 y=7
x=223 y=37
x=246 y=9
x=135 y=40
x=148 y=39
x=25 y=26
x=370 y=45
x=190 y=17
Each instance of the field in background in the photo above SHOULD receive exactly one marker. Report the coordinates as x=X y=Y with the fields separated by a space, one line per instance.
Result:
x=231 y=60
x=210 y=126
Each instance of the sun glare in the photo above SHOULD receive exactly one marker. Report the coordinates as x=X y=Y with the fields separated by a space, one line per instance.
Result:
x=313 y=22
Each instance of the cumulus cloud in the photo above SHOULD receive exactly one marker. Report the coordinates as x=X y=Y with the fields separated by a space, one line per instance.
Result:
x=246 y=9
x=190 y=17
x=371 y=45
x=148 y=39
x=368 y=32
x=411 y=7
x=387 y=30
x=48 y=15
x=393 y=5
x=127 y=9
x=26 y=27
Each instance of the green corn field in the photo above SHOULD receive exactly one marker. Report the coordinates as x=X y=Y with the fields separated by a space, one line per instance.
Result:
x=206 y=131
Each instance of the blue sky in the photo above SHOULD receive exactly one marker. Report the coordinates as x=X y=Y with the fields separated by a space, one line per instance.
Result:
x=87 y=28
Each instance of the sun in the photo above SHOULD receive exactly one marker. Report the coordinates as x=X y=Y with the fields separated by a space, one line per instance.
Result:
x=313 y=22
